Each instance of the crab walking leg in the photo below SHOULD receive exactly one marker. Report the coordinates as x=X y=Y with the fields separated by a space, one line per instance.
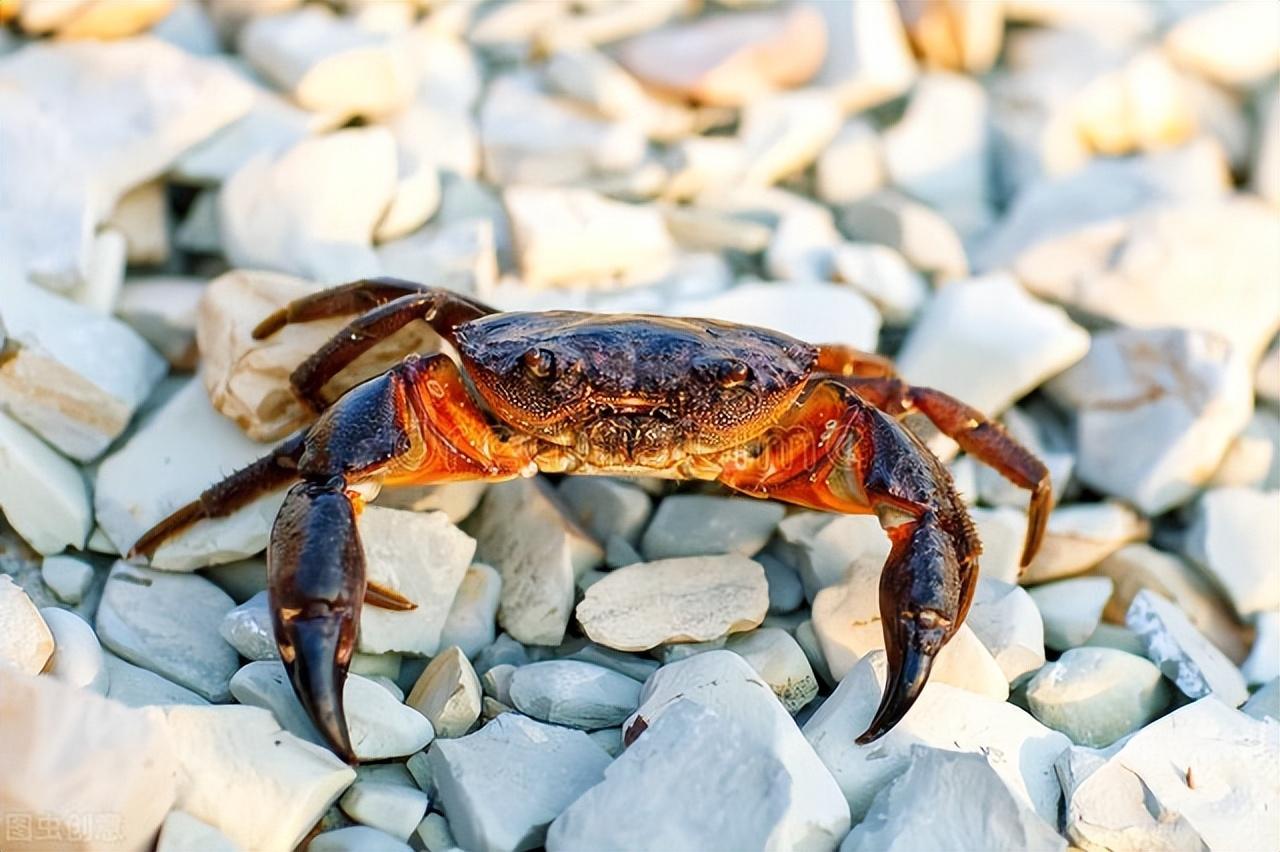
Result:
x=346 y=299
x=838 y=453
x=836 y=359
x=984 y=439
x=442 y=310
x=415 y=424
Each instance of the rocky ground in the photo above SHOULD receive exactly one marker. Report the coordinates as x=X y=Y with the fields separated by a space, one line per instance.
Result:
x=1065 y=214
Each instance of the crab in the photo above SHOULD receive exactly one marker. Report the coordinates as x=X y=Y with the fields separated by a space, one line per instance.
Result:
x=565 y=392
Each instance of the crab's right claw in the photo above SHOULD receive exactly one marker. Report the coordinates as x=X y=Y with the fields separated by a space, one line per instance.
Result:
x=316 y=585
x=923 y=595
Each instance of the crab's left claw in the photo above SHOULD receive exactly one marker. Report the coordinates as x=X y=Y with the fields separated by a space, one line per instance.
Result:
x=923 y=592
x=316 y=585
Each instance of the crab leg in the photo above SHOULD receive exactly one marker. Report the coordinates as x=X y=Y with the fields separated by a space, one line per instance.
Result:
x=984 y=439
x=415 y=424
x=392 y=304
x=838 y=453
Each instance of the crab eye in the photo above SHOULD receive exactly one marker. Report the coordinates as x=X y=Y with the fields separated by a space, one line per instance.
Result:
x=539 y=362
x=730 y=374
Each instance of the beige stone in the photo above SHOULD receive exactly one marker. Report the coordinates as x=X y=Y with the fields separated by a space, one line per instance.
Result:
x=729 y=60
x=142 y=216
x=448 y=693
x=25 y=640
x=247 y=379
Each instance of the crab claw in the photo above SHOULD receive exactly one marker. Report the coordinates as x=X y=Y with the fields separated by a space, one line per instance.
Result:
x=316 y=585
x=923 y=594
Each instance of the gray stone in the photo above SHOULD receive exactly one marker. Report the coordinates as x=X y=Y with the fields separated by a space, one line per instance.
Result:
x=503 y=785
x=825 y=547
x=695 y=779
x=786 y=592
x=632 y=665
x=607 y=507
x=1235 y=538
x=380 y=726
x=523 y=532
x=503 y=650
x=356 y=838
x=42 y=494
x=472 y=621
x=1263 y=662
x=943 y=717
x=725 y=684
x=572 y=693
x=392 y=808
x=1097 y=695
x=1071 y=609
x=182 y=832
x=970 y=808
x=496 y=682
x=67 y=576
x=168 y=623
x=1081 y=535
x=917 y=232
x=249 y=630
x=134 y=686
x=1183 y=654
x=701 y=525
x=780 y=662
x=434 y=834
x=1265 y=702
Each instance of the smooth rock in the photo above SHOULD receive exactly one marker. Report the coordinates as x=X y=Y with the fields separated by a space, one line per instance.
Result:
x=1184 y=656
x=392 y=808
x=329 y=63
x=725 y=684
x=986 y=342
x=1184 y=392
x=1097 y=695
x=1143 y=271
x=786 y=591
x=1120 y=638
x=918 y=233
x=939 y=151
x=249 y=630
x=456 y=499
x=574 y=236
x=1140 y=566
x=780 y=662
x=1266 y=175
x=163 y=311
x=259 y=785
x=852 y=166
x=312 y=210
x=503 y=785
x=607 y=507
x=782 y=134
x=1008 y=623
x=424 y=558
x=729 y=60
x=247 y=379
x=181 y=832
x=77 y=657
x=434 y=834
x=950 y=779
x=94 y=19
x=379 y=725
x=826 y=548
x=1080 y=536
x=182 y=449
x=703 y=525
x=448 y=693
x=1265 y=702
x=503 y=651
x=76 y=377
x=68 y=577
x=529 y=138
x=868 y=59
x=846 y=618
x=1235 y=44
x=1197 y=778
x=573 y=693
x=472 y=620
x=523 y=533
x=168 y=623
x=141 y=217
x=694 y=779
x=884 y=277
x=633 y=666
x=1020 y=749
x=356 y=838
x=26 y=642
x=1263 y=663
x=808 y=310
x=69 y=754
x=957 y=37
x=1234 y=537
x=693 y=599
x=1071 y=609
x=496 y=682
x=131 y=106
x=134 y=686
